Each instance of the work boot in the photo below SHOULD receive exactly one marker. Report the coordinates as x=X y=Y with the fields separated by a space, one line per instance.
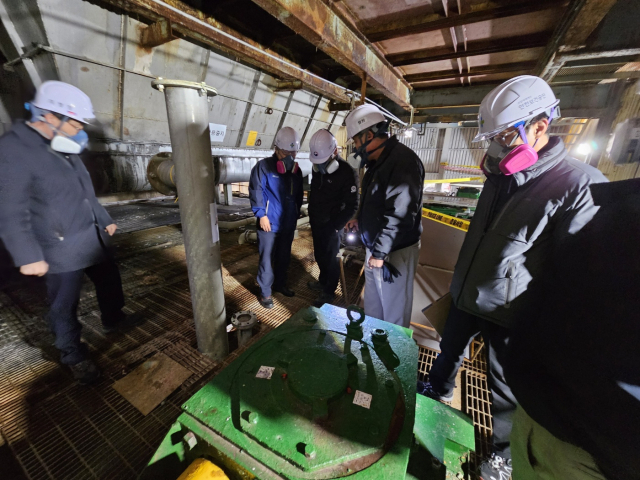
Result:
x=287 y=292
x=127 y=322
x=85 y=372
x=323 y=298
x=495 y=468
x=313 y=285
x=426 y=389
x=266 y=302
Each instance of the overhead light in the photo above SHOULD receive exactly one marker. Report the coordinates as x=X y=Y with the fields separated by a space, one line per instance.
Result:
x=408 y=133
x=584 y=149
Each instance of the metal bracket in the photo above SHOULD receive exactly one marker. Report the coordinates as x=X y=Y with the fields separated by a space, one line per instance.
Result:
x=287 y=85
x=156 y=34
x=204 y=89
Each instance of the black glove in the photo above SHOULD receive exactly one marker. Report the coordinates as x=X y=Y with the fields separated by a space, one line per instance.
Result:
x=389 y=272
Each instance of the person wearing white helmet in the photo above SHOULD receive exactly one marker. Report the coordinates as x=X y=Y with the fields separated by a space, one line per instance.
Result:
x=51 y=222
x=535 y=195
x=332 y=202
x=389 y=217
x=275 y=191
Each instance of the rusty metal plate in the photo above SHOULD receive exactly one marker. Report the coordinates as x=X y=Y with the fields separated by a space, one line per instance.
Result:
x=153 y=381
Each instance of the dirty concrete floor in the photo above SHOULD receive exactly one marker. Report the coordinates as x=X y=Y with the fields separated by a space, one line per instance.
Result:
x=53 y=428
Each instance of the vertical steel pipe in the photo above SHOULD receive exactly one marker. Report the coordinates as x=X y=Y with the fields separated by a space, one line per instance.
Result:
x=187 y=111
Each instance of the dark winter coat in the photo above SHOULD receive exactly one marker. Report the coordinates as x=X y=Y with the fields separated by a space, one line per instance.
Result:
x=507 y=250
x=333 y=199
x=390 y=213
x=48 y=208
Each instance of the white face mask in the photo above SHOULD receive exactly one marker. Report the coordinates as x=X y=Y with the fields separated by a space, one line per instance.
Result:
x=63 y=144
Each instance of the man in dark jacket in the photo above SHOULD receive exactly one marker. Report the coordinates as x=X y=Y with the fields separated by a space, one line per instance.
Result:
x=575 y=367
x=275 y=191
x=390 y=215
x=51 y=222
x=332 y=202
x=534 y=195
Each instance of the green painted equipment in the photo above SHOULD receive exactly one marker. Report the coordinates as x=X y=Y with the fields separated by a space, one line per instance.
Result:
x=328 y=394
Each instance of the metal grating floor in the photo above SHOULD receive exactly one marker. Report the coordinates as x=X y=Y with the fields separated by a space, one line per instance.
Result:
x=53 y=428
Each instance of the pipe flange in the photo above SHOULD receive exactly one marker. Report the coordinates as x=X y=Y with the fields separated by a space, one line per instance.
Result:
x=244 y=320
x=204 y=89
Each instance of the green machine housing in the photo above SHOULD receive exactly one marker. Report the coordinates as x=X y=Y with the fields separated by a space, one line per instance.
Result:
x=328 y=394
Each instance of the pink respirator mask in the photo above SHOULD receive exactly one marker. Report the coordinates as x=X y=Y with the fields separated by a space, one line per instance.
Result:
x=509 y=160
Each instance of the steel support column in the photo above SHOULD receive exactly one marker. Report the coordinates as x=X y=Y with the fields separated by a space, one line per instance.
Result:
x=187 y=111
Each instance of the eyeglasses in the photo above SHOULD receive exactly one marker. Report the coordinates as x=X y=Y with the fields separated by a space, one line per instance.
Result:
x=506 y=137
x=77 y=128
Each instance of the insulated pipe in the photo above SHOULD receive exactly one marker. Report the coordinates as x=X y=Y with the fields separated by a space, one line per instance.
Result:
x=162 y=174
x=188 y=114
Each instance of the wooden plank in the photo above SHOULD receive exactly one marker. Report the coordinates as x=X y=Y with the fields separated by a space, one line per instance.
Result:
x=438 y=312
x=427 y=23
x=153 y=381
x=474 y=72
x=480 y=47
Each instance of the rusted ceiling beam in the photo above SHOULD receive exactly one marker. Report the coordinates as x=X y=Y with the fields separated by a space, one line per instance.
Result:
x=156 y=34
x=318 y=24
x=427 y=23
x=581 y=18
x=473 y=72
x=194 y=25
x=482 y=47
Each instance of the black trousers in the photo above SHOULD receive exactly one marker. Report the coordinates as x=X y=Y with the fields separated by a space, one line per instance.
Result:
x=64 y=295
x=275 y=255
x=326 y=246
x=460 y=329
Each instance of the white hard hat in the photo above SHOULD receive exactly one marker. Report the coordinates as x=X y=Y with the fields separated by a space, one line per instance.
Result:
x=516 y=100
x=288 y=139
x=361 y=118
x=321 y=146
x=65 y=99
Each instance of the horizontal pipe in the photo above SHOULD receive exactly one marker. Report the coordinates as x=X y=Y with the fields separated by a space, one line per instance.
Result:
x=162 y=175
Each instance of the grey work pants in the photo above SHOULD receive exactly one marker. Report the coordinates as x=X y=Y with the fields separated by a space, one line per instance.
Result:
x=392 y=302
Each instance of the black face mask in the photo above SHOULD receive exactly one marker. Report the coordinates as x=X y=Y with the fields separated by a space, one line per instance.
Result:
x=322 y=167
x=288 y=162
x=364 y=155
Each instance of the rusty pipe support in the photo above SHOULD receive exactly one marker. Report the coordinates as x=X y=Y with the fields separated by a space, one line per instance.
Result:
x=188 y=115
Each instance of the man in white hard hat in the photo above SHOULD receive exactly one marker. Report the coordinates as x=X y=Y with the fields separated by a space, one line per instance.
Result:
x=275 y=191
x=51 y=221
x=332 y=202
x=534 y=196
x=390 y=215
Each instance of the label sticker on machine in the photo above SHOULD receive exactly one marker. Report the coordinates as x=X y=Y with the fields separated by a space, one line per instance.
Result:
x=217 y=132
x=362 y=399
x=265 y=372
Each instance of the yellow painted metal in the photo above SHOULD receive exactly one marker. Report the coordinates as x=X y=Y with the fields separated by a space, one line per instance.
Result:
x=454 y=180
x=459 y=223
x=202 y=469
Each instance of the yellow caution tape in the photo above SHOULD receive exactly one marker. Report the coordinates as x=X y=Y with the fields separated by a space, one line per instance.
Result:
x=454 y=180
x=454 y=222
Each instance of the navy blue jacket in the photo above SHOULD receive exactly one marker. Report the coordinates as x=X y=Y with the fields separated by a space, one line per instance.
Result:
x=278 y=196
x=48 y=208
